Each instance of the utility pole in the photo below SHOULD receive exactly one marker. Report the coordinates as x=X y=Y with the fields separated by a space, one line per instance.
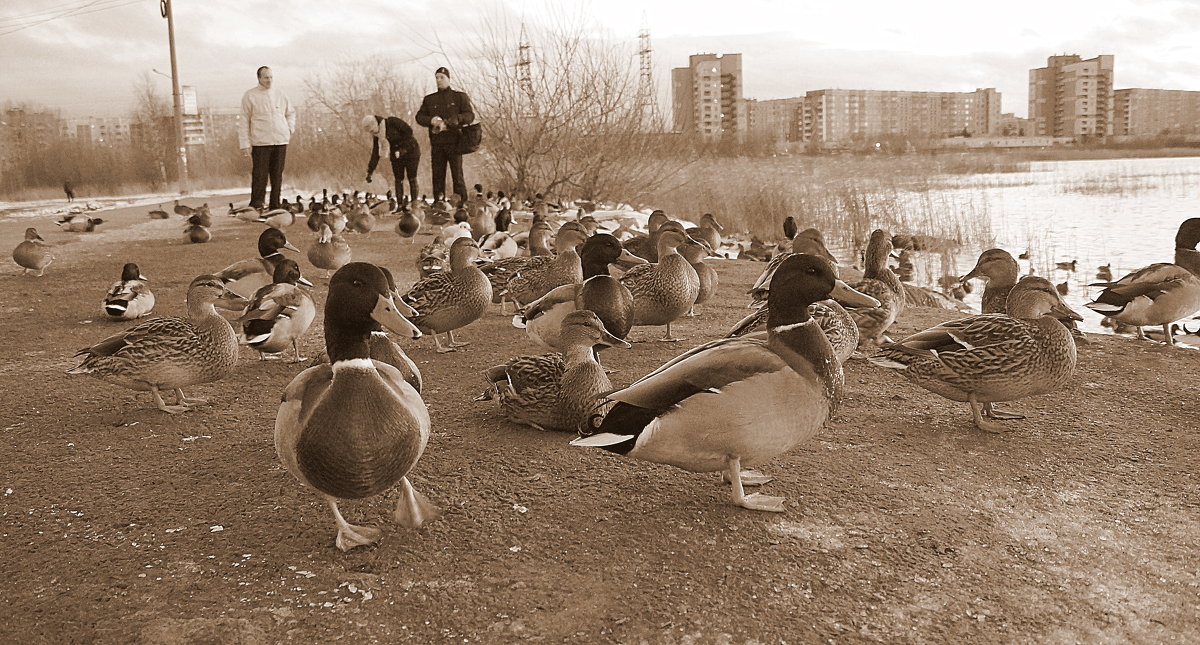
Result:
x=165 y=7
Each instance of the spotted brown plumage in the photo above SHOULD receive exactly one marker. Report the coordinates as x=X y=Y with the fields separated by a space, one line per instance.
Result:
x=992 y=358
x=663 y=291
x=355 y=428
x=881 y=284
x=169 y=353
x=453 y=299
x=557 y=391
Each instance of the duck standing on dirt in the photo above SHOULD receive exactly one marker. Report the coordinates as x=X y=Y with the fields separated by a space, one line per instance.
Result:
x=248 y=276
x=329 y=251
x=196 y=232
x=736 y=402
x=129 y=298
x=448 y=300
x=170 y=353
x=991 y=358
x=31 y=254
x=557 y=391
x=881 y=284
x=1161 y=293
x=665 y=290
x=694 y=253
x=355 y=428
x=279 y=313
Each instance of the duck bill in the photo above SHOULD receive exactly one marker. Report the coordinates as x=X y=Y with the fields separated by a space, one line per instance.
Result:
x=404 y=308
x=628 y=260
x=288 y=246
x=846 y=295
x=142 y=278
x=231 y=301
x=612 y=341
x=1063 y=312
x=975 y=273
x=304 y=281
x=386 y=314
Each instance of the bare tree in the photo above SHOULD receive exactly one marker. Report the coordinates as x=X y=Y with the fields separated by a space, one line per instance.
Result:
x=152 y=132
x=567 y=118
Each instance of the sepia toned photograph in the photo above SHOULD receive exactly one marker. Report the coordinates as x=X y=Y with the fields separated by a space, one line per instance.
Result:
x=681 y=323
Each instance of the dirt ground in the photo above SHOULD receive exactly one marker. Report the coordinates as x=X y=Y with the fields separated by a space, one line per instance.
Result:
x=122 y=524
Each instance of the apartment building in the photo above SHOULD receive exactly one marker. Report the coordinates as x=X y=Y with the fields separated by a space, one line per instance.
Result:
x=1072 y=97
x=779 y=121
x=706 y=97
x=1148 y=113
x=836 y=116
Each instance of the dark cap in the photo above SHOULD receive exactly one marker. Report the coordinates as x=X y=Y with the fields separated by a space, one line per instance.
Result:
x=442 y=70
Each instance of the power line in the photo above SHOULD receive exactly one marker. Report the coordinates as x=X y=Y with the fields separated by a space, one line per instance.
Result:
x=92 y=6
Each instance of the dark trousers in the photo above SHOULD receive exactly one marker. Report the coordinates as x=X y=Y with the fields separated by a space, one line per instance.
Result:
x=268 y=163
x=439 y=156
x=406 y=165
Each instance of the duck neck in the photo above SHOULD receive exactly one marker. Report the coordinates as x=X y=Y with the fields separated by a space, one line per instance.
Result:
x=575 y=354
x=1188 y=259
x=593 y=267
x=202 y=311
x=341 y=345
x=1004 y=278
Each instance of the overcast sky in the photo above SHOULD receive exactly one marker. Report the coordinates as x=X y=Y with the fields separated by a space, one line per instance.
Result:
x=86 y=56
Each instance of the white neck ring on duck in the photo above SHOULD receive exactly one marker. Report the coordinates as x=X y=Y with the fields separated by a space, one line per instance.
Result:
x=354 y=364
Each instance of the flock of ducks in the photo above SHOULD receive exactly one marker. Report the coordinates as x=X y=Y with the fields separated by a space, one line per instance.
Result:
x=354 y=424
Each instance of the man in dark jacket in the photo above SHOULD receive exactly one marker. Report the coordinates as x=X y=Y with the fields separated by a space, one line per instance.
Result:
x=400 y=147
x=445 y=112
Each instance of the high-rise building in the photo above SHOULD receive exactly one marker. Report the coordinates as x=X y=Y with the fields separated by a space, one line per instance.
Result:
x=841 y=116
x=706 y=97
x=779 y=121
x=1072 y=97
x=1148 y=113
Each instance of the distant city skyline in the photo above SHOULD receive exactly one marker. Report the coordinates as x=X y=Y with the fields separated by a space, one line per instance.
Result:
x=87 y=63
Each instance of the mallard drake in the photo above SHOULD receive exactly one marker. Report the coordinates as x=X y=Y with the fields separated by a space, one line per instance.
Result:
x=1158 y=294
x=170 y=353
x=536 y=279
x=599 y=293
x=409 y=222
x=128 y=298
x=80 y=223
x=159 y=213
x=244 y=213
x=735 y=402
x=195 y=232
x=278 y=218
x=831 y=317
x=881 y=284
x=556 y=391
x=1000 y=270
x=329 y=251
x=331 y=216
x=708 y=232
x=354 y=428
x=32 y=253
x=279 y=313
x=695 y=252
x=498 y=246
x=451 y=299
x=810 y=240
x=990 y=358
x=663 y=291
x=247 y=276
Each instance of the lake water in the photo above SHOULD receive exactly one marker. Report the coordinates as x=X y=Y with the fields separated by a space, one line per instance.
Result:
x=1123 y=212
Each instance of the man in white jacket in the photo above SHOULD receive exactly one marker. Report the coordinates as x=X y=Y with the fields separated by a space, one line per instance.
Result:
x=268 y=121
